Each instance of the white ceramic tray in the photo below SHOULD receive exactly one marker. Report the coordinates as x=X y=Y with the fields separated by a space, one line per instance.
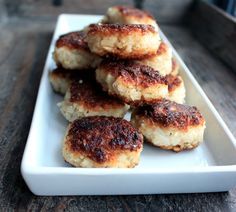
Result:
x=208 y=168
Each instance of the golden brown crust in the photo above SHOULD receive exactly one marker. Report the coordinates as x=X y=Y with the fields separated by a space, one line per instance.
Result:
x=173 y=82
x=167 y=113
x=99 y=137
x=125 y=29
x=73 y=40
x=90 y=94
x=132 y=72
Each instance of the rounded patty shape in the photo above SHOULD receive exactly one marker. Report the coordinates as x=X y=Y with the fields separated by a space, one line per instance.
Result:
x=72 y=52
x=86 y=98
x=134 y=41
x=170 y=125
x=130 y=81
x=102 y=142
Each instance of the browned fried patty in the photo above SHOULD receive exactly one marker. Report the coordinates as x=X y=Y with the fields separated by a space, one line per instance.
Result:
x=86 y=98
x=128 y=15
x=167 y=113
x=124 y=41
x=102 y=142
x=131 y=81
x=170 y=125
x=72 y=52
x=61 y=78
x=73 y=40
x=176 y=88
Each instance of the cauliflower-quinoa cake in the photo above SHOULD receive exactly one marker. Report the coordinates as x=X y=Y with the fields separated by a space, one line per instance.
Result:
x=176 y=89
x=125 y=41
x=99 y=141
x=161 y=61
x=170 y=125
x=72 y=52
x=86 y=98
x=130 y=81
x=128 y=15
x=61 y=78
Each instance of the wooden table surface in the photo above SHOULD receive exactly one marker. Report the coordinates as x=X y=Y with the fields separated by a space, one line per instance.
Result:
x=24 y=44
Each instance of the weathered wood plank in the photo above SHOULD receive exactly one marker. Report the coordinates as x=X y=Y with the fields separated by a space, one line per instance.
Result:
x=23 y=52
x=216 y=30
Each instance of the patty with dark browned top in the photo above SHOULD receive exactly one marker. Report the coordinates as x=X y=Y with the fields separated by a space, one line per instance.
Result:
x=102 y=142
x=168 y=113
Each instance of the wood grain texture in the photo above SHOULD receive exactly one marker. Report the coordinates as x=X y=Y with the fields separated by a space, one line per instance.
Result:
x=24 y=45
x=216 y=30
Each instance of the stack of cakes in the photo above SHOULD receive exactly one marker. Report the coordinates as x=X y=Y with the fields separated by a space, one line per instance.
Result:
x=108 y=68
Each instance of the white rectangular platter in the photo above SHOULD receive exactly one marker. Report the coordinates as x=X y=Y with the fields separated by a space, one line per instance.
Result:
x=208 y=168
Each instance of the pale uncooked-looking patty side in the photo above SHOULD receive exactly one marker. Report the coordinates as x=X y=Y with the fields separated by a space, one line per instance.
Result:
x=75 y=58
x=74 y=110
x=161 y=61
x=92 y=105
x=123 y=41
x=124 y=159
